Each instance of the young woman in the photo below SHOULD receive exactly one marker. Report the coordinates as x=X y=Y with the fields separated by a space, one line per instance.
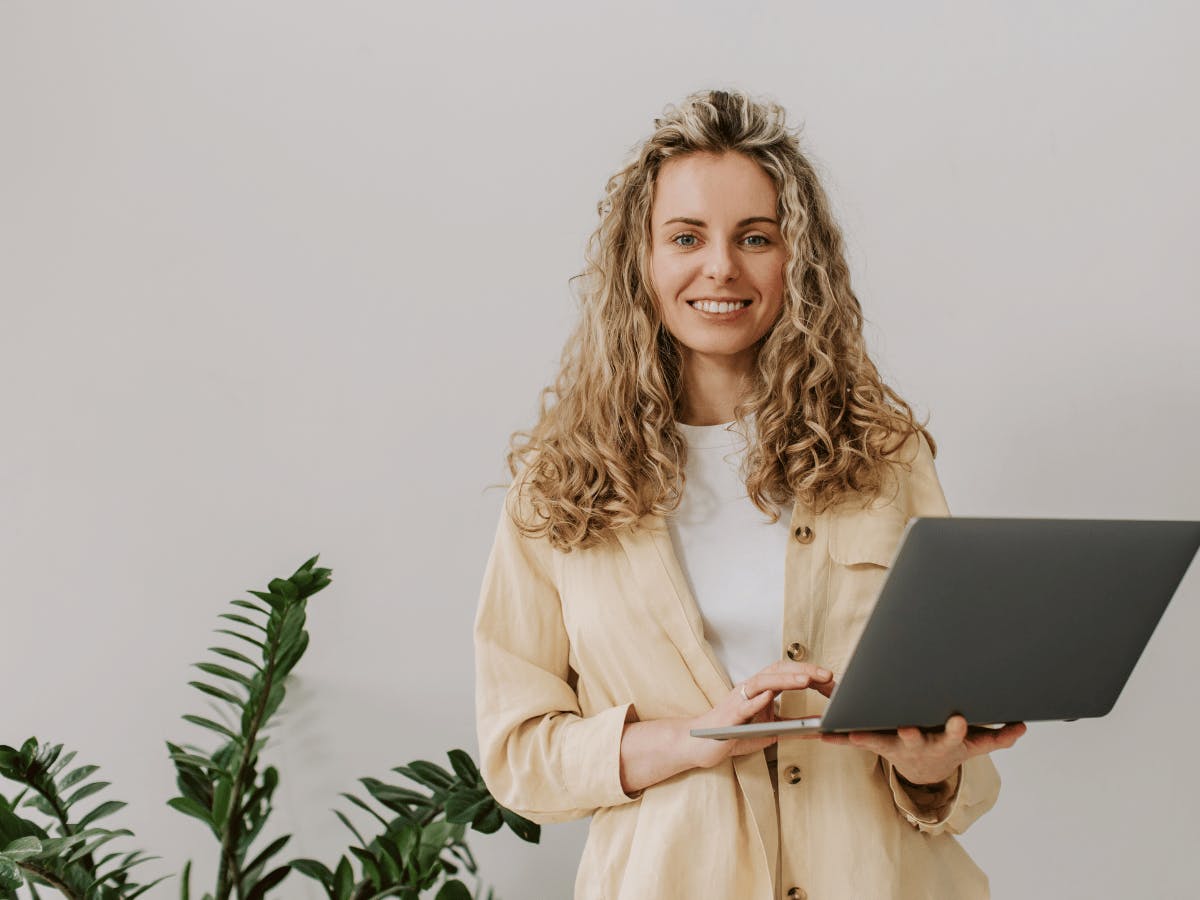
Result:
x=701 y=524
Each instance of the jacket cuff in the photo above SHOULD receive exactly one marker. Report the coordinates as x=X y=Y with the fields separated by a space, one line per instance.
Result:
x=592 y=746
x=925 y=810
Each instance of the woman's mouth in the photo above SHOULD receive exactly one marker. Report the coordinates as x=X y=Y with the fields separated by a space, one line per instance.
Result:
x=720 y=311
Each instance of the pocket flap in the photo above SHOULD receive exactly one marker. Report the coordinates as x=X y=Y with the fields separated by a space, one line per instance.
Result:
x=867 y=535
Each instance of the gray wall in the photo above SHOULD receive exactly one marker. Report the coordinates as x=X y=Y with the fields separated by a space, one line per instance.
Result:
x=280 y=278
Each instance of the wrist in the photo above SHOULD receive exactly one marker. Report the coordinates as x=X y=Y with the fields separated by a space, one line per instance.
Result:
x=691 y=754
x=654 y=750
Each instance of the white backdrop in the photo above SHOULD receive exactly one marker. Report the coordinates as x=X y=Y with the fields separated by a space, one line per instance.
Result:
x=280 y=278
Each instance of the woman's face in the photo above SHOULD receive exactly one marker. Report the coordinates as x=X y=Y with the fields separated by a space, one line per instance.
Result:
x=715 y=235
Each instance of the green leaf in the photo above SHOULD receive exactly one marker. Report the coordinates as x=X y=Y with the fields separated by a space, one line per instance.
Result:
x=237 y=634
x=464 y=767
x=86 y=791
x=522 y=827
x=240 y=657
x=10 y=875
x=185 y=882
x=259 y=891
x=362 y=805
x=271 y=849
x=427 y=773
x=223 y=672
x=453 y=890
x=346 y=822
x=398 y=799
x=246 y=604
x=220 y=807
x=61 y=764
x=370 y=866
x=464 y=806
x=145 y=887
x=241 y=620
x=488 y=820
x=343 y=879
x=210 y=724
x=392 y=868
x=191 y=808
x=86 y=847
x=76 y=775
x=22 y=847
x=104 y=809
x=313 y=869
x=284 y=588
x=217 y=692
x=270 y=599
x=274 y=698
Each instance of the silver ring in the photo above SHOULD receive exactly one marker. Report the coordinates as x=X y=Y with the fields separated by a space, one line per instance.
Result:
x=744 y=697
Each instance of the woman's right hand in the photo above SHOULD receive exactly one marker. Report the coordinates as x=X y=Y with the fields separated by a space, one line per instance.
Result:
x=762 y=689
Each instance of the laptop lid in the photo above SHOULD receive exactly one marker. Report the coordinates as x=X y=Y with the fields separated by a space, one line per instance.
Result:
x=1010 y=619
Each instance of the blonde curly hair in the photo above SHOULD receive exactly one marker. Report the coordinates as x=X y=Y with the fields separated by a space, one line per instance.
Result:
x=607 y=452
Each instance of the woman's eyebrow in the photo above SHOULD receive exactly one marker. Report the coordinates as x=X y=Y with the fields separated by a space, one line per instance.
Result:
x=700 y=224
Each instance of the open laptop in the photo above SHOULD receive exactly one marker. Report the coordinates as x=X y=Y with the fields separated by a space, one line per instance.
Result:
x=1003 y=620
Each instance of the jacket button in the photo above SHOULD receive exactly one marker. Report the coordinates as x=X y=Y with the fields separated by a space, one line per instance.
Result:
x=797 y=894
x=793 y=774
x=804 y=534
x=797 y=651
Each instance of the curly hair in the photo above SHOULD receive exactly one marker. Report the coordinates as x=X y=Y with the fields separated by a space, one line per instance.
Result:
x=607 y=452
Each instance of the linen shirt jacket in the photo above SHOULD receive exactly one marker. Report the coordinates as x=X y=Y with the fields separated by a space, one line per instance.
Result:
x=571 y=646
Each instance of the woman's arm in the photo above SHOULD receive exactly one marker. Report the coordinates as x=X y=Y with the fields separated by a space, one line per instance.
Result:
x=654 y=751
x=539 y=756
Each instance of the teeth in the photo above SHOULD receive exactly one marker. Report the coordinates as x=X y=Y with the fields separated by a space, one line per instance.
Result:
x=709 y=306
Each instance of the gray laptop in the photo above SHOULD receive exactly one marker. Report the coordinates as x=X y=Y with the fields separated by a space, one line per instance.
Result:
x=1003 y=620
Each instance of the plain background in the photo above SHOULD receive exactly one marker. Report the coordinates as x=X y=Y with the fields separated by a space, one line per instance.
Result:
x=281 y=278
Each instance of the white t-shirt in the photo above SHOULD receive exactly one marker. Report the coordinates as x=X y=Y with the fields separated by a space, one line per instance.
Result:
x=732 y=555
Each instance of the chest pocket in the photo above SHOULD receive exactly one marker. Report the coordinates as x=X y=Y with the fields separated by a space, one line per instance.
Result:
x=867 y=536
x=862 y=545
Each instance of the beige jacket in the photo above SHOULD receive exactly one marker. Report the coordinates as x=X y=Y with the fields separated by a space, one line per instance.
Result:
x=569 y=646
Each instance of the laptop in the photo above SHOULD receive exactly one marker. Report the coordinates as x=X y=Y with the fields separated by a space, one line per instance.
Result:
x=1002 y=620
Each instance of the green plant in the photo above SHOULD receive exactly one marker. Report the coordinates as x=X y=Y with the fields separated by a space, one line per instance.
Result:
x=407 y=857
x=65 y=862
x=420 y=848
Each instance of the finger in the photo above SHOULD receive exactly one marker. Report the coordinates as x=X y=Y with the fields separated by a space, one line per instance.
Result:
x=955 y=732
x=1007 y=736
x=749 y=745
x=825 y=688
x=758 y=701
x=870 y=741
x=911 y=737
x=786 y=666
x=994 y=739
x=776 y=681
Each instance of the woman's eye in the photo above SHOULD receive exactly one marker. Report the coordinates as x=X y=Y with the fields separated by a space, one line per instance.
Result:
x=759 y=237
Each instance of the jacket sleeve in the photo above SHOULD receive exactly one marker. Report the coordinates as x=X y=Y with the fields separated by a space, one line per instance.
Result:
x=539 y=756
x=975 y=786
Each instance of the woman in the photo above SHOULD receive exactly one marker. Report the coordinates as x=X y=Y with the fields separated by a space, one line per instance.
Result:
x=720 y=348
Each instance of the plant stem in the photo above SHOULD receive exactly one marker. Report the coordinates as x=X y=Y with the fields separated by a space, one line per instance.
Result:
x=45 y=874
x=233 y=822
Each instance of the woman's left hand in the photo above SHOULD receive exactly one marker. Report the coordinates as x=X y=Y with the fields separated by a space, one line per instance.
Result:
x=930 y=758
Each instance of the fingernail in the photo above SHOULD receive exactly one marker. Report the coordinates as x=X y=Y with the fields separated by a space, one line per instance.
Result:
x=824 y=673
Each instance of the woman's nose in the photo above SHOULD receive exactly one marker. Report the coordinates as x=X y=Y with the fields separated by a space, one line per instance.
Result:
x=720 y=264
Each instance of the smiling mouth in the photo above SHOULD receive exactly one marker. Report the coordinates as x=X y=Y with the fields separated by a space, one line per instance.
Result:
x=721 y=307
